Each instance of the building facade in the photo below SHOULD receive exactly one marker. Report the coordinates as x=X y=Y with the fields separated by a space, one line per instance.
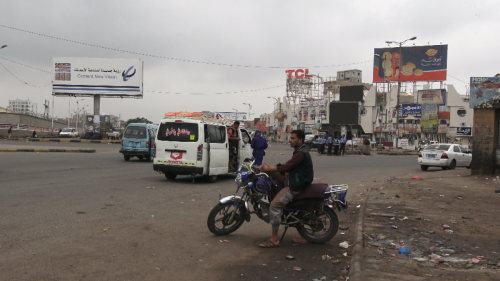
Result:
x=23 y=107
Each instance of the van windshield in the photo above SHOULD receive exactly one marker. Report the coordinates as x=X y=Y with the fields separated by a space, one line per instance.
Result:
x=178 y=131
x=135 y=132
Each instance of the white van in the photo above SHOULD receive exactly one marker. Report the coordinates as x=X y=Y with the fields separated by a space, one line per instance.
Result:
x=187 y=146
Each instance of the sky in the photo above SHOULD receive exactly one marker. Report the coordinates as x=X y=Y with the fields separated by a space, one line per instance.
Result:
x=267 y=36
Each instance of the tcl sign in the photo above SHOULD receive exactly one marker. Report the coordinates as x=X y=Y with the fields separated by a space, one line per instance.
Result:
x=299 y=73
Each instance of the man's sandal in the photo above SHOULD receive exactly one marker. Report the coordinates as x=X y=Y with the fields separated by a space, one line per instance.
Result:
x=269 y=244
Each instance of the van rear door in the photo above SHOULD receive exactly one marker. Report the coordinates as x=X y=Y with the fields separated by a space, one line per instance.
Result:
x=218 y=149
x=179 y=144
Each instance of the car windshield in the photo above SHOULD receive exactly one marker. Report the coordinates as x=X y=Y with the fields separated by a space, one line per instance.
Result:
x=135 y=132
x=438 y=147
x=66 y=130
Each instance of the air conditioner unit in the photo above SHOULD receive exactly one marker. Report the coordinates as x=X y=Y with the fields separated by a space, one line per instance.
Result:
x=463 y=124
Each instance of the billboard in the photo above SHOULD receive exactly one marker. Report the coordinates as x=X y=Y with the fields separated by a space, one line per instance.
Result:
x=444 y=115
x=484 y=92
x=351 y=93
x=436 y=96
x=464 y=131
x=344 y=113
x=418 y=63
x=312 y=103
x=239 y=116
x=429 y=118
x=414 y=110
x=95 y=76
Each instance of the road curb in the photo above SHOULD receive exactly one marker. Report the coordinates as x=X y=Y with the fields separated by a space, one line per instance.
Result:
x=69 y=140
x=47 y=150
x=357 y=250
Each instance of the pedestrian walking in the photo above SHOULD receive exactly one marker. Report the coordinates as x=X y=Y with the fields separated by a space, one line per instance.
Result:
x=329 y=142
x=10 y=131
x=34 y=134
x=343 y=142
x=336 y=145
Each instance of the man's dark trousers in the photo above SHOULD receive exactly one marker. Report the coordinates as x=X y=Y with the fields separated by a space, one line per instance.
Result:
x=330 y=149
x=342 y=148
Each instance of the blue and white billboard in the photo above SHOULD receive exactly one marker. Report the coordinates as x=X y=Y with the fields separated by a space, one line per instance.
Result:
x=414 y=110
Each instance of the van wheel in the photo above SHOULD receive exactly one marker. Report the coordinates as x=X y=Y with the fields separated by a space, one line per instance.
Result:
x=141 y=157
x=149 y=158
x=211 y=179
x=126 y=157
x=170 y=176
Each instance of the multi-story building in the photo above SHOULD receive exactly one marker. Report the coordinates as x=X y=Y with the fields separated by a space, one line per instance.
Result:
x=23 y=106
x=352 y=75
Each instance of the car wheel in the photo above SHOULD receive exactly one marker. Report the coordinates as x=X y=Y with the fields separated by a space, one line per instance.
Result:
x=149 y=158
x=170 y=176
x=424 y=167
x=444 y=168
x=453 y=164
x=468 y=167
x=126 y=157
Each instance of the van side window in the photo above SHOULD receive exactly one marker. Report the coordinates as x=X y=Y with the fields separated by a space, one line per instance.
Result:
x=217 y=133
x=245 y=137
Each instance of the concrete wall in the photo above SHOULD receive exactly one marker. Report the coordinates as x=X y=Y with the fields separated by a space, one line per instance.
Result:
x=484 y=142
x=26 y=125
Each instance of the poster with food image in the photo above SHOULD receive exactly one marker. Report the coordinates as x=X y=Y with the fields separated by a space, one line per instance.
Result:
x=429 y=118
x=415 y=63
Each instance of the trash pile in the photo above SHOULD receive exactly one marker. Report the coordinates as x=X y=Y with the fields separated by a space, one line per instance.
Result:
x=418 y=249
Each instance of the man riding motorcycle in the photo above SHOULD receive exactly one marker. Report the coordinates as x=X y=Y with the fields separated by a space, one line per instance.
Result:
x=296 y=174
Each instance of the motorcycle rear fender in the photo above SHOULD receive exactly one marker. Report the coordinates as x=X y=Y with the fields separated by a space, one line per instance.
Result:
x=232 y=198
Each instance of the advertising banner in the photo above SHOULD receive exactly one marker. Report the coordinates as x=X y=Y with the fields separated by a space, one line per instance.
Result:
x=262 y=125
x=323 y=115
x=464 y=132
x=90 y=119
x=414 y=110
x=312 y=103
x=288 y=128
x=380 y=99
x=483 y=91
x=239 y=116
x=431 y=96
x=281 y=117
x=308 y=128
x=418 y=63
x=444 y=115
x=95 y=76
x=429 y=118
x=442 y=128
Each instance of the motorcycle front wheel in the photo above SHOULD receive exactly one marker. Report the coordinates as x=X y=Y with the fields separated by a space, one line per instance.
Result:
x=219 y=220
x=320 y=226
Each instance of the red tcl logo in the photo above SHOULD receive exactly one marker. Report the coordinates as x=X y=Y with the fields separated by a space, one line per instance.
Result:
x=299 y=73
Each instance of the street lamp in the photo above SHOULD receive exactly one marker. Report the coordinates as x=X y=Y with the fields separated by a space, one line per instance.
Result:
x=399 y=83
x=236 y=114
x=249 y=107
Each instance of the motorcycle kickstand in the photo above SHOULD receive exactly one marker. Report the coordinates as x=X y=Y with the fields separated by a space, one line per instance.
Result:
x=283 y=236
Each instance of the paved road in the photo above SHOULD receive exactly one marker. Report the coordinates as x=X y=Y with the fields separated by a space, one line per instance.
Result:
x=95 y=216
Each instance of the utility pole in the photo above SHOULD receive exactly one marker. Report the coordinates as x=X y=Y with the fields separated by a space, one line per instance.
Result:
x=399 y=84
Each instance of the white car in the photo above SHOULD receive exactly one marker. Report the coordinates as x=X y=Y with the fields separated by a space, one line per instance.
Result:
x=68 y=133
x=444 y=155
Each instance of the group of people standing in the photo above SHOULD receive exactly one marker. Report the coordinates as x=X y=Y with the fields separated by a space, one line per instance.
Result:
x=337 y=144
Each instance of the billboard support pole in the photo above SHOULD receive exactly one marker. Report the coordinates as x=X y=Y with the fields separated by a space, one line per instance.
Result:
x=397 y=97
x=97 y=108
x=52 y=132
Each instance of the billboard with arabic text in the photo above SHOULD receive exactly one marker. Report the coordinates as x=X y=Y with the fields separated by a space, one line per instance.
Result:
x=418 y=63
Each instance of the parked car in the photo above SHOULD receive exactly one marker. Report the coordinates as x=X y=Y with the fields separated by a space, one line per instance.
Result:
x=444 y=155
x=68 y=133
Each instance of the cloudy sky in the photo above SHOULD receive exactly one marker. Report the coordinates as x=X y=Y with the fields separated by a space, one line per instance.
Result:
x=259 y=34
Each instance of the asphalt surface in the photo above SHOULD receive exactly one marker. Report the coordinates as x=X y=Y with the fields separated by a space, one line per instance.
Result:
x=95 y=216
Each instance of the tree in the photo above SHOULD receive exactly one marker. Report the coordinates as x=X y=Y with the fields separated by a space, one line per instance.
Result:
x=138 y=120
x=106 y=127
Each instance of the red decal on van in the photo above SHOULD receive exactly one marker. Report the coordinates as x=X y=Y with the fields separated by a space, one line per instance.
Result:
x=176 y=155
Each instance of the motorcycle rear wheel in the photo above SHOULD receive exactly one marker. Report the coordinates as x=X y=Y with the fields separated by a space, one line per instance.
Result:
x=218 y=218
x=320 y=226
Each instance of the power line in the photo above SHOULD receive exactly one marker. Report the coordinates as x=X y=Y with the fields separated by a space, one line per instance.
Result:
x=169 y=58
x=458 y=79
x=22 y=81
x=28 y=66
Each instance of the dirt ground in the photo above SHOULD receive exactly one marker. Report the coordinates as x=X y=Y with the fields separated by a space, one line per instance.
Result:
x=447 y=219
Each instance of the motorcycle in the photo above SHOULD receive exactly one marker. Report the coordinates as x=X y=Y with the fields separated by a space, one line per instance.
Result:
x=311 y=211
